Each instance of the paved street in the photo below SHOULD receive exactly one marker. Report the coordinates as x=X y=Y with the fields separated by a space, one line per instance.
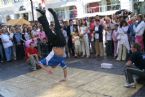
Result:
x=86 y=79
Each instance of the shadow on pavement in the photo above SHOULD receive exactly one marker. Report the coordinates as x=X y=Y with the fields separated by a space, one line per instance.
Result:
x=140 y=93
x=13 y=69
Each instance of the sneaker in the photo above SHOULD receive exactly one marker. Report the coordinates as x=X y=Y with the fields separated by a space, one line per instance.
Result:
x=15 y=59
x=118 y=59
x=83 y=56
x=88 y=56
x=34 y=69
x=132 y=85
x=1 y=61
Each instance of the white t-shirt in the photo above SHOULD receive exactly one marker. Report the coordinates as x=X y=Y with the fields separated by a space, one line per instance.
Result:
x=34 y=33
x=6 y=40
x=108 y=36
x=96 y=28
x=27 y=36
x=96 y=34
x=83 y=31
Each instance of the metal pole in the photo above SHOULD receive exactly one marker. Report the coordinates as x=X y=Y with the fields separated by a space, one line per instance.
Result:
x=32 y=10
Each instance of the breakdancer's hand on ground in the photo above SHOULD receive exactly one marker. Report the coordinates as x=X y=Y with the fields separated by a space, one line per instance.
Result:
x=49 y=71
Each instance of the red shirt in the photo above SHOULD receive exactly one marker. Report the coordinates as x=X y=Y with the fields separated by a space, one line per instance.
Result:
x=31 y=51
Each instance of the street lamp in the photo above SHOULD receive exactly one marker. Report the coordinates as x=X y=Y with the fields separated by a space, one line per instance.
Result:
x=32 y=10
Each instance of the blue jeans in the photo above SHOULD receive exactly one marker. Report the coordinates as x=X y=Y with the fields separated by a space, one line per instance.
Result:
x=8 y=53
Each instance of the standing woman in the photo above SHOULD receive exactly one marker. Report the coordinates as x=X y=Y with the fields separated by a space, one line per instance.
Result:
x=41 y=34
x=139 y=31
x=26 y=34
x=7 y=43
x=114 y=37
x=85 y=39
x=123 y=46
x=92 y=38
x=18 y=40
x=11 y=33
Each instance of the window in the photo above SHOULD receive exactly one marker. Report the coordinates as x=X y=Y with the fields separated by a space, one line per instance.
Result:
x=139 y=7
x=72 y=12
x=16 y=1
x=93 y=7
x=60 y=13
x=5 y=2
x=115 y=4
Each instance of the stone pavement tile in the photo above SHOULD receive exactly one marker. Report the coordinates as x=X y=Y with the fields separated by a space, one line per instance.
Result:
x=86 y=94
x=41 y=75
x=59 y=90
x=83 y=79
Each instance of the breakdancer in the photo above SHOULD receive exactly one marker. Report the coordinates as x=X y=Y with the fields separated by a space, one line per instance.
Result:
x=57 y=56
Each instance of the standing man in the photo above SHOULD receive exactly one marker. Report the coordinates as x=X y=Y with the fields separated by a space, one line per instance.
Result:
x=99 y=39
x=70 y=30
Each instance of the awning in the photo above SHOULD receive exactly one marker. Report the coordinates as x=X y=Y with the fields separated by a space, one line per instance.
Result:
x=61 y=4
x=69 y=4
x=98 y=13
x=90 y=1
x=107 y=13
x=18 y=22
x=21 y=12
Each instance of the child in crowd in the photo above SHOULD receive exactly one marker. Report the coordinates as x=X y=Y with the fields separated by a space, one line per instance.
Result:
x=76 y=40
x=44 y=47
x=32 y=56
x=109 y=46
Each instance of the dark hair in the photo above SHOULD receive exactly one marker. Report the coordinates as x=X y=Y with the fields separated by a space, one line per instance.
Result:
x=141 y=16
x=97 y=20
x=24 y=29
x=45 y=38
x=137 y=46
x=82 y=22
x=76 y=29
x=70 y=20
x=123 y=22
x=31 y=43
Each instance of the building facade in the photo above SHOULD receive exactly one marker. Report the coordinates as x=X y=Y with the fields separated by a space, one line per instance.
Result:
x=67 y=9
x=15 y=9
